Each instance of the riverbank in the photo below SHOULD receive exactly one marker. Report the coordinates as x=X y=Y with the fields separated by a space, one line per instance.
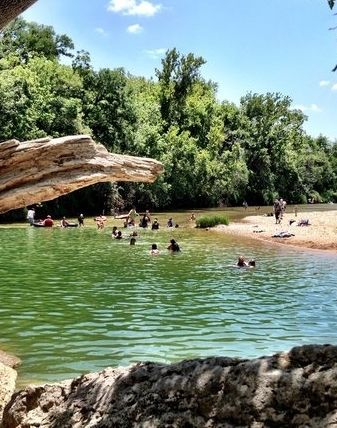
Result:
x=321 y=233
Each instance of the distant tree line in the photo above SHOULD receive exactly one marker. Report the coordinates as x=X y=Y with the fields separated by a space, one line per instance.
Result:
x=214 y=153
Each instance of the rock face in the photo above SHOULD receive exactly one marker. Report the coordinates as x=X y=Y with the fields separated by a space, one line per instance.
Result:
x=7 y=385
x=41 y=170
x=10 y=9
x=294 y=389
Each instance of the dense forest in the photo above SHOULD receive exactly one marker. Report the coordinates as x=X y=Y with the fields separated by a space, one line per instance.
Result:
x=214 y=152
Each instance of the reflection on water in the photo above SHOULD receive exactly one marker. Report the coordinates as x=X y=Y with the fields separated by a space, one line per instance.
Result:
x=74 y=301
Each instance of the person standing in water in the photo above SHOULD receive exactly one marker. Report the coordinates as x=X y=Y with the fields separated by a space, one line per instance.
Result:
x=174 y=246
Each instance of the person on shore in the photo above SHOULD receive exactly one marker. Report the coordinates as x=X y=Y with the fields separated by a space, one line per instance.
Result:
x=48 y=221
x=131 y=218
x=170 y=222
x=277 y=211
x=80 y=220
x=245 y=204
x=114 y=232
x=155 y=224
x=174 y=246
x=154 y=250
x=295 y=210
x=31 y=216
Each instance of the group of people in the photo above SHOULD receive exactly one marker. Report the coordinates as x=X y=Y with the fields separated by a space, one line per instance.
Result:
x=117 y=234
x=145 y=220
x=49 y=222
x=243 y=263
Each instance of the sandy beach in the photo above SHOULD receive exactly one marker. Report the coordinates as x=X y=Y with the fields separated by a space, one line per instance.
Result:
x=320 y=234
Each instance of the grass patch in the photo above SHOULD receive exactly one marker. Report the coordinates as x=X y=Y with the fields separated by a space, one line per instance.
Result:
x=211 y=221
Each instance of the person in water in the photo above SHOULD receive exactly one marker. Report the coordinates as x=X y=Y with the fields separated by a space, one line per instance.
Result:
x=174 y=246
x=241 y=262
x=132 y=240
x=170 y=222
x=48 y=222
x=144 y=221
x=114 y=232
x=119 y=235
x=64 y=222
x=155 y=224
x=31 y=216
x=154 y=250
x=132 y=216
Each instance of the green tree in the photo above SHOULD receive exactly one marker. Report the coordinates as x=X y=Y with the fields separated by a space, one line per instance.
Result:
x=24 y=40
x=176 y=78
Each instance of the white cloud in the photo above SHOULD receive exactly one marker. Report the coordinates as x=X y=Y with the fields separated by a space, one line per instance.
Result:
x=311 y=107
x=324 y=83
x=334 y=87
x=134 y=7
x=100 y=30
x=155 y=53
x=134 y=29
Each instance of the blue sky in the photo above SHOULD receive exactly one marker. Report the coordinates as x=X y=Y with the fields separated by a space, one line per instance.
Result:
x=249 y=45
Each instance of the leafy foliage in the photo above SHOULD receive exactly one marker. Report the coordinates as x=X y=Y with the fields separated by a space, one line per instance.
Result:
x=211 y=221
x=214 y=153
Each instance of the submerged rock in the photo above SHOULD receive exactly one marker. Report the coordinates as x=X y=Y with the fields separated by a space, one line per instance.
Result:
x=294 y=389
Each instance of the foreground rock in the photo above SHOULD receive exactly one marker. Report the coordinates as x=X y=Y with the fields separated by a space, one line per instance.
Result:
x=9 y=360
x=295 y=389
x=7 y=385
x=41 y=170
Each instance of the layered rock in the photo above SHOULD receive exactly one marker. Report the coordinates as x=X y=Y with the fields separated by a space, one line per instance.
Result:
x=41 y=170
x=294 y=389
x=10 y=9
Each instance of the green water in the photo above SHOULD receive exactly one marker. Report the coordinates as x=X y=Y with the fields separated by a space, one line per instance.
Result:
x=74 y=300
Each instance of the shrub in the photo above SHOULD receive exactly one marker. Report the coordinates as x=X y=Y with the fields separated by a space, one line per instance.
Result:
x=211 y=221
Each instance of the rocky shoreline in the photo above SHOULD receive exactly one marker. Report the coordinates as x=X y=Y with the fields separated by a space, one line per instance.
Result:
x=291 y=389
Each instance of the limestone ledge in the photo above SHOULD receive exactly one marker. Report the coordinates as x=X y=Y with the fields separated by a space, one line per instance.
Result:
x=291 y=389
x=41 y=170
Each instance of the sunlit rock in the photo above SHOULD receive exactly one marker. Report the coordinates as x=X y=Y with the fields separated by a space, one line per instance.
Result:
x=41 y=170
x=293 y=389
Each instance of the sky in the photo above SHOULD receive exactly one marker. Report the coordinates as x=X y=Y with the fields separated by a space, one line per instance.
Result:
x=254 y=46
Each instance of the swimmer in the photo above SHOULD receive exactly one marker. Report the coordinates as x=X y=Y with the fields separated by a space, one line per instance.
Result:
x=241 y=262
x=154 y=250
x=119 y=235
x=174 y=246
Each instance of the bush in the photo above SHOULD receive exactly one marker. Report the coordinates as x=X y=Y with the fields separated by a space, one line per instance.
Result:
x=211 y=221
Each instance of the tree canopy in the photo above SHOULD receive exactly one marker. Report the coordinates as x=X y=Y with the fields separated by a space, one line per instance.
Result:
x=214 y=152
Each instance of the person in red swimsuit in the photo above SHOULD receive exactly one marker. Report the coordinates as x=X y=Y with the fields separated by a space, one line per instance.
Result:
x=48 y=222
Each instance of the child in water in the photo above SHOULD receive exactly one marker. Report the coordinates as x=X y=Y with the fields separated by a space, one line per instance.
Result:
x=154 y=250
